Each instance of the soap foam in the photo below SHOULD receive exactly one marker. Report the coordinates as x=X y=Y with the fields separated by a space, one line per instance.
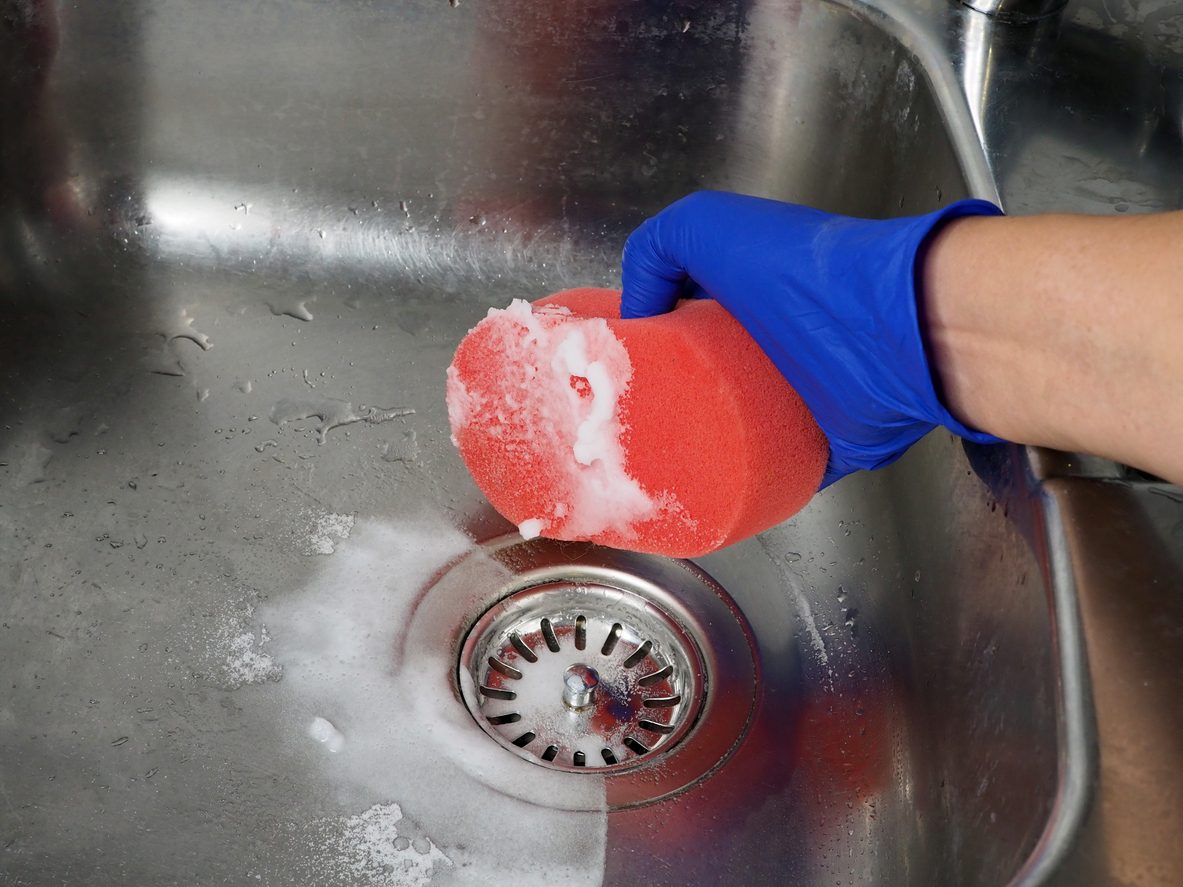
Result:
x=322 y=730
x=531 y=529
x=325 y=530
x=378 y=847
x=230 y=648
x=338 y=642
x=556 y=398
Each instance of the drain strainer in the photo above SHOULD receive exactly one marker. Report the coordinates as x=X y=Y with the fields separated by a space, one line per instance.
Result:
x=578 y=676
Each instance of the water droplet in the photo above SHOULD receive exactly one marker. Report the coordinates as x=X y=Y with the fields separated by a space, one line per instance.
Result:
x=404 y=450
x=291 y=307
x=332 y=414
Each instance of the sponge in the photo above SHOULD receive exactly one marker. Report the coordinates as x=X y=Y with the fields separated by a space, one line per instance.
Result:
x=673 y=435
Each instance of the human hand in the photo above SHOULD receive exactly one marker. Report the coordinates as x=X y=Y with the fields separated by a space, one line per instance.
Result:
x=831 y=300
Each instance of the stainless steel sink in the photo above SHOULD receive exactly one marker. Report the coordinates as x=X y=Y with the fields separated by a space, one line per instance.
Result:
x=240 y=241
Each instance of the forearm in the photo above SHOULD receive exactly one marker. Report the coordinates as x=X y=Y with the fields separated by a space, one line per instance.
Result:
x=1063 y=331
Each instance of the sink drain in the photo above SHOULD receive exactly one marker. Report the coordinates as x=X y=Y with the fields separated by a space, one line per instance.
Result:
x=582 y=675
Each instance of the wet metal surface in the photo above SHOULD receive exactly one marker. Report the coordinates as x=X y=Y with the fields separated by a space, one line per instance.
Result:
x=238 y=244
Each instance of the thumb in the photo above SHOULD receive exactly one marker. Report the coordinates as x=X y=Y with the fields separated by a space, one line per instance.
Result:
x=653 y=277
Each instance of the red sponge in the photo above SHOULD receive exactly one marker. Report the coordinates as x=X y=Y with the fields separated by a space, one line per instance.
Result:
x=674 y=434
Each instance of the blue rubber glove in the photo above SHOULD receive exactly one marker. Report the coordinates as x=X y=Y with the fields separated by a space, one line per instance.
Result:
x=830 y=299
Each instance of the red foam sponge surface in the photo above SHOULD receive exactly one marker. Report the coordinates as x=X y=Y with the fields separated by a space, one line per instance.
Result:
x=674 y=434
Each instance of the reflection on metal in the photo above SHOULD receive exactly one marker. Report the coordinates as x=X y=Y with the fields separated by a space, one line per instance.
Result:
x=1123 y=542
x=579 y=686
x=977 y=47
x=196 y=221
x=1077 y=737
x=1017 y=12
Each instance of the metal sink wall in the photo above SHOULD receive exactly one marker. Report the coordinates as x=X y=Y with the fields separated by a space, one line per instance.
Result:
x=227 y=225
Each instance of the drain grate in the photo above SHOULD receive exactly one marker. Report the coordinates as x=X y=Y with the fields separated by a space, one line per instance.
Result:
x=567 y=659
x=580 y=676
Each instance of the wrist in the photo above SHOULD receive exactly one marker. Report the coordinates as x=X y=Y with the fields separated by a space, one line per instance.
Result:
x=957 y=323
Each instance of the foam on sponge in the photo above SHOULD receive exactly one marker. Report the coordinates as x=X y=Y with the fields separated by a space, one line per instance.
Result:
x=673 y=434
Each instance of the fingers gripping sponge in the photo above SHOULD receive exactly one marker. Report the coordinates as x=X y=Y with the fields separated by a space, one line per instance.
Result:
x=673 y=435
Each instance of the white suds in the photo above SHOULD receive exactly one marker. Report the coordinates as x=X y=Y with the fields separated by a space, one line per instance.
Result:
x=532 y=528
x=245 y=663
x=462 y=406
x=328 y=527
x=378 y=847
x=373 y=848
x=322 y=730
x=554 y=400
x=228 y=648
x=408 y=740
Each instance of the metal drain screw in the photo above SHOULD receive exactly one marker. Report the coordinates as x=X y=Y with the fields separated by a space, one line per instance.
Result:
x=579 y=686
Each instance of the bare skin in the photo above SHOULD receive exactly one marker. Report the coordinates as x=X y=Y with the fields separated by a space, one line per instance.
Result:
x=1063 y=331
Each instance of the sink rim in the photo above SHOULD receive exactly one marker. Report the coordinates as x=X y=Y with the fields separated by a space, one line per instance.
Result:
x=925 y=36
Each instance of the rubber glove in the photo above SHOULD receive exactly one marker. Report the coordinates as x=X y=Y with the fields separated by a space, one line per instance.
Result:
x=830 y=299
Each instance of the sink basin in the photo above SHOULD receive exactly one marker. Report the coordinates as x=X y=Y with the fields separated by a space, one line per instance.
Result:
x=239 y=243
